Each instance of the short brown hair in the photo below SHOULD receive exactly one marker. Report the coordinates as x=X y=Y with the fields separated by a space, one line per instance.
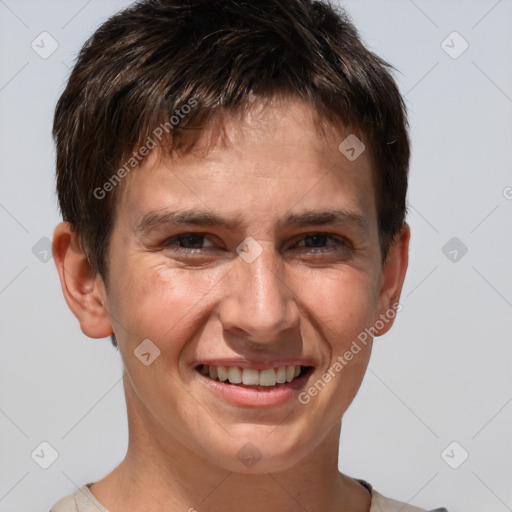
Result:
x=144 y=64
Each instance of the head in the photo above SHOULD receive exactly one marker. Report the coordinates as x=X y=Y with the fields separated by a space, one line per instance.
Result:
x=222 y=124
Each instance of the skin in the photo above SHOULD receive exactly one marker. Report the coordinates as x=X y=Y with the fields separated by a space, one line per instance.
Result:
x=209 y=303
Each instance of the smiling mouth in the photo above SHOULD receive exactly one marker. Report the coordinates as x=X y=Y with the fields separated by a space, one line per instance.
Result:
x=271 y=378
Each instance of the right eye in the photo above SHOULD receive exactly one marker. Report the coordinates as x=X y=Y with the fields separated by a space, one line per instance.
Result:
x=189 y=242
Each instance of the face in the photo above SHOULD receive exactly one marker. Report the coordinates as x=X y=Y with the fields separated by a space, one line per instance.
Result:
x=259 y=253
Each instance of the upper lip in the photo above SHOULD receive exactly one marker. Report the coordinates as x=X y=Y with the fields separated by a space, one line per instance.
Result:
x=253 y=363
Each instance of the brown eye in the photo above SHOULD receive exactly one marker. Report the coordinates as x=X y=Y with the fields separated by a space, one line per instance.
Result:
x=190 y=242
x=323 y=242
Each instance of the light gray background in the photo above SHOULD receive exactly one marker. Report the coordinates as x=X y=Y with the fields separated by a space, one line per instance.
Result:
x=442 y=374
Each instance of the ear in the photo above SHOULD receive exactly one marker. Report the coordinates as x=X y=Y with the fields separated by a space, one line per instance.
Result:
x=392 y=280
x=83 y=288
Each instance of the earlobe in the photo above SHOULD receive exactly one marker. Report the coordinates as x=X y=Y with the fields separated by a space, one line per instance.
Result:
x=392 y=280
x=83 y=288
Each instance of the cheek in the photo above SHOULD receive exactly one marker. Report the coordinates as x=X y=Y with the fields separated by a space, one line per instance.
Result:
x=157 y=302
x=343 y=304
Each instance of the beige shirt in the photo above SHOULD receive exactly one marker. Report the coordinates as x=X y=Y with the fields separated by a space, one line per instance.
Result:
x=84 y=501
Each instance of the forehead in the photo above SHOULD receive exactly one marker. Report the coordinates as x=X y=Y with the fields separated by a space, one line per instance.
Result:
x=278 y=158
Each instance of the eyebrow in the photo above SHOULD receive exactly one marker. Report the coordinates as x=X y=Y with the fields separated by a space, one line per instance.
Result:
x=155 y=220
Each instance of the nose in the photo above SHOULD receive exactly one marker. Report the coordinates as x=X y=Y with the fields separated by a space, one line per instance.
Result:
x=259 y=305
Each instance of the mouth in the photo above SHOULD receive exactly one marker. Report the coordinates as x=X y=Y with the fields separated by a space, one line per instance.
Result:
x=291 y=377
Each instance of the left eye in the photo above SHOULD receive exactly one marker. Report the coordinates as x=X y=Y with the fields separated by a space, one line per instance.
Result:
x=319 y=241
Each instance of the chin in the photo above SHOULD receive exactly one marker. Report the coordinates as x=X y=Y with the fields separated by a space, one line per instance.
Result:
x=258 y=454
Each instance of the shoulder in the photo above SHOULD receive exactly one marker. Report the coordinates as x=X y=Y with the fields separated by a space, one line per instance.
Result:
x=66 y=504
x=382 y=504
x=81 y=501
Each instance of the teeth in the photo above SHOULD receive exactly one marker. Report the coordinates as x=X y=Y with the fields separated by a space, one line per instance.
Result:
x=268 y=377
x=234 y=375
x=223 y=373
x=281 y=374
x=252 y=377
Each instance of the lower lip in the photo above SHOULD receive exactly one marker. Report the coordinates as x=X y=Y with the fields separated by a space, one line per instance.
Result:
x=254 y=397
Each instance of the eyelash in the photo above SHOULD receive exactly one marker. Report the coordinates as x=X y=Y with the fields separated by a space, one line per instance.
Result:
x=341 y=243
